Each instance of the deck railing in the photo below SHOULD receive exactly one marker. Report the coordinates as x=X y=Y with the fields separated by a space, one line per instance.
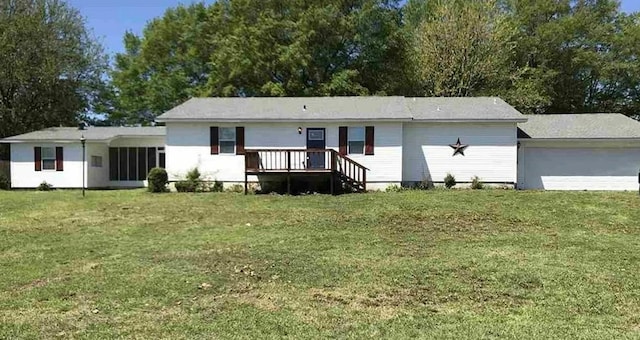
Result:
x=306 y=160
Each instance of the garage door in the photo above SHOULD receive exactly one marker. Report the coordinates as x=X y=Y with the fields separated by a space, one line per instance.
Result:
x=578 y=168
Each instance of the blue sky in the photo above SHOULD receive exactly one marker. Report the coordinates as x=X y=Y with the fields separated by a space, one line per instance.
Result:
x=110 y=19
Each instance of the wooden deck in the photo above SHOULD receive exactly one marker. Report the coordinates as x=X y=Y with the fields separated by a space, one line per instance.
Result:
x=289 y=162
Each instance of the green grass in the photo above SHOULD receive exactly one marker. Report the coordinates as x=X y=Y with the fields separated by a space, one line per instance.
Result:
x=437 y=264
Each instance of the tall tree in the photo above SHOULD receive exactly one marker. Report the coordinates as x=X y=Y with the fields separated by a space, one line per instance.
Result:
x=304 y=48
x=578 y=56
x=164 y=67
x=52 y=67
x=266 y=48
x=462 y=48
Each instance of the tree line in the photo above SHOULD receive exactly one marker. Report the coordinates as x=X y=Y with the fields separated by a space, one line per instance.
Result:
x=541 y=56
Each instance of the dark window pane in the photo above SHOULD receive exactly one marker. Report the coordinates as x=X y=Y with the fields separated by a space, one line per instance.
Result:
x=162 y=160
x=124 y=164
x=48 y=164
x=142 y=164
x=356 y=147
x=151 y=153
x=227 y=147
x=113 y=164
x=133 y=164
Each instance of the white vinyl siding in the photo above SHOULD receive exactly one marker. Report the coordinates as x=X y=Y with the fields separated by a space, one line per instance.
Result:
x=578 y=166
x=491 y=153
x=188 y=147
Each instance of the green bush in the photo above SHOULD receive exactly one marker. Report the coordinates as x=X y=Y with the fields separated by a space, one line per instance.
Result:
x=450 y=181
x=5 y=184
x=44 y=186
x=237 y=188
x=393 y=188
x=476 y=183
x=192 y=183
x=194 y=175
x=217 y=186
x=186 y=186
x=158 y=180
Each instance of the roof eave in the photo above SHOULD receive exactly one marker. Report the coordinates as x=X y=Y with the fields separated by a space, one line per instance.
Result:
x=262 y=120
x=488 y=120
x=575 y=139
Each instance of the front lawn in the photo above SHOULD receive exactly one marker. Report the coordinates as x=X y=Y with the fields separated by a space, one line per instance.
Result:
x=438 y=264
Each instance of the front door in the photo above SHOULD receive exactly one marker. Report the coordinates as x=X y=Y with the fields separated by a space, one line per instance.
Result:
x=316 y=140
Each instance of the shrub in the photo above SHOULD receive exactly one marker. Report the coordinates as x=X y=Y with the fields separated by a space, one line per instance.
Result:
x=186 y=186
x=192 y=183
x=158 y=180
x=217 y=186
x=194 y=175
x=237 y=188
x=449 y=181
x=476 y=183
x=5 y=184
x=44 y=186
x=425 y=184
x=393 y=188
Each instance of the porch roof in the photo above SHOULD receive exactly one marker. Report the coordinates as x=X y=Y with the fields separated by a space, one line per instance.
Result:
x=101 y=133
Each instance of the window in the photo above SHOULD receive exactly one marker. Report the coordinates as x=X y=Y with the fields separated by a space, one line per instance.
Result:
x=48 y=158
x=316 y=134
x=96 y=161
x=356 y=140
x=227 y=140
x=131 y=164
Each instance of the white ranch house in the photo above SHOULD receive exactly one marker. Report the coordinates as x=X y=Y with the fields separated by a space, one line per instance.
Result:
x=360 y=142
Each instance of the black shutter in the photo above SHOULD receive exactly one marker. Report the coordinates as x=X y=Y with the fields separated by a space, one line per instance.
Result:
x=213 y=140
x=239 y=140
x=368 y=140
x=342 y=140
x=37 y=158
x=59 y=159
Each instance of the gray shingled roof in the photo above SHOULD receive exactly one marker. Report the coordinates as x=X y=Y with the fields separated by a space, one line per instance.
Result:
x=90 y=133
x=579 y=126
x=342 y=108
x=290 y=108
x=466 y=109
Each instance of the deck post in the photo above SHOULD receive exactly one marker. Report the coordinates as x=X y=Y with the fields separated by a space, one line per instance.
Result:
x=364 y=180
x=333 y=172
x=246 y=168
x=288 y=172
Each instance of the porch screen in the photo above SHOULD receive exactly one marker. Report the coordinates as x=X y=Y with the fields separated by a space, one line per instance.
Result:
x=131 y=164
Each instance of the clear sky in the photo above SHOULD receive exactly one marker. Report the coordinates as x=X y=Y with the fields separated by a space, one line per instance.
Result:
x=110 y=19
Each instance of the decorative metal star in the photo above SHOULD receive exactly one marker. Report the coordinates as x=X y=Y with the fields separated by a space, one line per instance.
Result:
x=458 y=147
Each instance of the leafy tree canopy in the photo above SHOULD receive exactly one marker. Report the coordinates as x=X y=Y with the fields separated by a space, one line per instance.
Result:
x=542 y=56
x=52 y=68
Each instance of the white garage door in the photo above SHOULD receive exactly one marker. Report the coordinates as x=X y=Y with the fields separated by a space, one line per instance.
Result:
x=579 y=168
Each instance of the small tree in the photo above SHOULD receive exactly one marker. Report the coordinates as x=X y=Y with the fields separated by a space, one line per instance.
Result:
x=158 y=180
x=5 y=184
x=450 y=181
x=44 y=186
x=476 y=183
